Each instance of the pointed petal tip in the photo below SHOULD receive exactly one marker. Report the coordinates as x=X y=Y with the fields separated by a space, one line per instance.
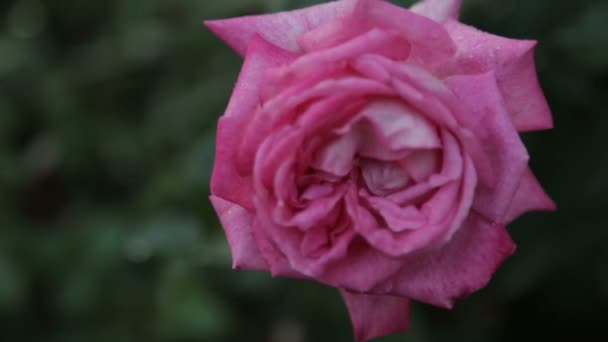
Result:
x=237 y=222
x=214 y=26
x=530 y=196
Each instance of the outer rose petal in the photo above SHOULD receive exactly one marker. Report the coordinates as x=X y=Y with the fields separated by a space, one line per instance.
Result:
x=374 y=316
x=237 y=222
x=226 y=181
x=513 y=64
x=461 y=267
x=438 y=10
x=529 y=196
x=431 y=44
x=484 y=113
x=281 y=29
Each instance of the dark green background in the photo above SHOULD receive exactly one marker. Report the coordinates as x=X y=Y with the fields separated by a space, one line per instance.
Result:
x=107 y=119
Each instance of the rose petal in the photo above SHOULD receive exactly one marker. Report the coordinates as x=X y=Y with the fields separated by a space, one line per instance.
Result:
x=361 y=269
x=278 y=263
x=337 y=156
x=333 y=33
x=398 y=219
x=482 y=101
x=421 y=164
x=461 y=267
x=328 y=110
x=445 y=212
x=231 y=180
x=424 y=92
x=383 y=177
x=323 y=62
x=375 y=316
x=438 y=10
x=399 y=126
x=513 y=64
x=431 y=45
x=451 y=170
x=226 y=181
x=283 y=246
x=261 y=56
x=310 y=216
x=237 y=222
x=282 y=29
x=529 y=196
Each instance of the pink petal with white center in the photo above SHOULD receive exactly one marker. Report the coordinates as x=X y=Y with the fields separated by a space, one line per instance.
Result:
x=460 y=267
x=399 y=126
x=281 y=29
x=419 y=88
x=529 y=196
x=488 y=119
x=424 y=92
x=337 y=156
x=228 y=180
x=438 y=10
x=237 y=223
x=328 y=110
x=451 y=170
x=512 y=61
x=375 y=315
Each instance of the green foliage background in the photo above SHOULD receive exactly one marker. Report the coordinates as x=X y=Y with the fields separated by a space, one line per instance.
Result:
x=107 y=119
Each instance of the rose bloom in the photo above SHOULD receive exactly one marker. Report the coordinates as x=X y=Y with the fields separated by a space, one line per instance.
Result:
x=376 y=150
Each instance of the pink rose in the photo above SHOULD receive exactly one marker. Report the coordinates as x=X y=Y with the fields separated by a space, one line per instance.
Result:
x=376 y=150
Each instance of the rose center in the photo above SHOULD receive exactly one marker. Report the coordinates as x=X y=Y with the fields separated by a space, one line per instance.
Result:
x=382 y=177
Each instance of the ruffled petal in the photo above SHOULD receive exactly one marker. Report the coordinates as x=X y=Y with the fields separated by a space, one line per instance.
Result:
x=397 y=219
x=375 y=316
x=226 y=181
x=438 y=10
x=237 y=223
x=513 y=64
x=431 y=44
x=399 y=126
x=261 y=56
x=322 y=63
x=315 y=118
x=277 y=261
x=444 y=212
x=281 y=29
x=229 y=180
x=484 y=113
x=462 y=266
x=529 y=196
